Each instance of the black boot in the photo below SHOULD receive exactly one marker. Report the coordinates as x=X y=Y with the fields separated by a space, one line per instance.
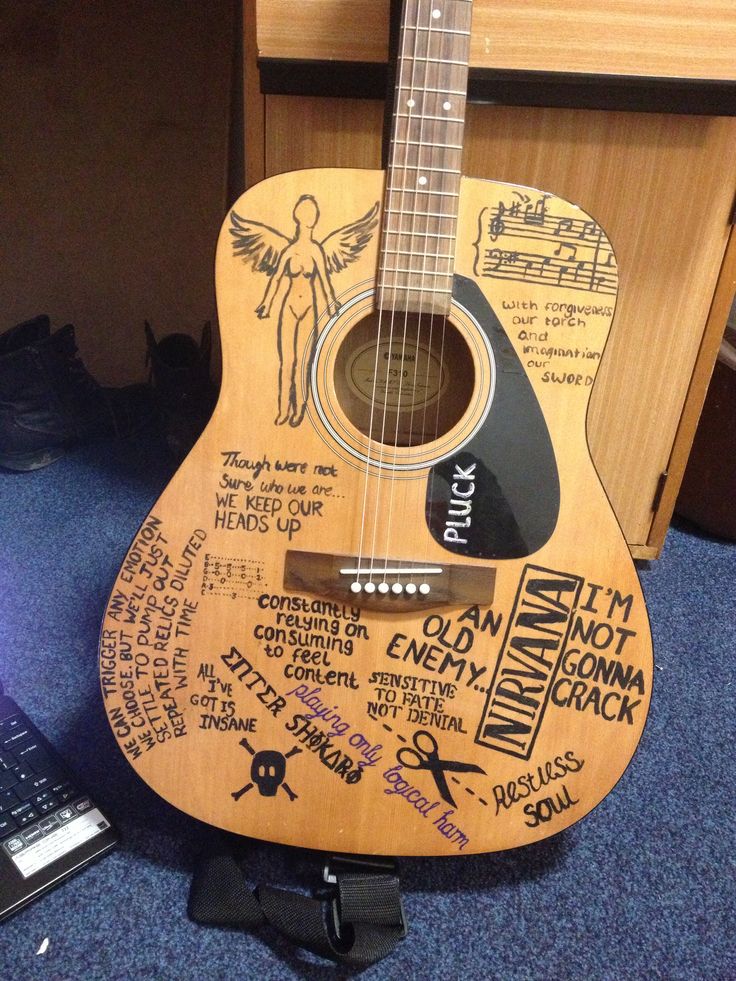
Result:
x=50 y=402
x=185 y=393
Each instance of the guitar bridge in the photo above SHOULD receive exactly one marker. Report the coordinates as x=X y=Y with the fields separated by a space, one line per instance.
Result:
x=388 y=585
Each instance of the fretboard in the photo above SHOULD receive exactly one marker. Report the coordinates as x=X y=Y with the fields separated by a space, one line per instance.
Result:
x=423 y=176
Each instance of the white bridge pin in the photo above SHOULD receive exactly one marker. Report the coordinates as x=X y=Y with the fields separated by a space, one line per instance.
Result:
x=370 y=587
x=410 y=588
x=424 y=588
x=397 y=588
x=383 y=587
x=355 y=587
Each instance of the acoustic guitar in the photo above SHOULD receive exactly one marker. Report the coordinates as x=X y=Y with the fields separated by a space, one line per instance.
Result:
x=385 y=606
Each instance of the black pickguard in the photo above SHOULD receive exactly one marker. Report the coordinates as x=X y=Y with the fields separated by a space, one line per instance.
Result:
x=512 y=486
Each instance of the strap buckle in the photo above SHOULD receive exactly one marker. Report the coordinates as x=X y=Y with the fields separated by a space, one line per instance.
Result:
x=345 y=864
x=364 y=865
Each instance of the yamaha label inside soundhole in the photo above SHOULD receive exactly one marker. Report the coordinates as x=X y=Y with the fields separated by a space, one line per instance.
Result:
x=406 y=382
x=412 y=378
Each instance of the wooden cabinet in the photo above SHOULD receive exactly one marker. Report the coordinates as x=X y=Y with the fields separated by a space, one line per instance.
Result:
x=661 y=179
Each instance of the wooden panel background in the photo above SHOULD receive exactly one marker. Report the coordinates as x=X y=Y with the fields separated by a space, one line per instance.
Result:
x=689 y=38
x=665 y=203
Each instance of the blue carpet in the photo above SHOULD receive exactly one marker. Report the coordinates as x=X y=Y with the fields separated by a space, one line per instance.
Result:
x=642 y=888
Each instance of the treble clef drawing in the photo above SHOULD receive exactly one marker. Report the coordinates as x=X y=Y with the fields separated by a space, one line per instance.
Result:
x=497 y=226
x=300 y=270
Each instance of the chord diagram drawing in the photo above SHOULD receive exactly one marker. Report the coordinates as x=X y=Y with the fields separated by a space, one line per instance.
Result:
x=231 y=577
x=521 y=239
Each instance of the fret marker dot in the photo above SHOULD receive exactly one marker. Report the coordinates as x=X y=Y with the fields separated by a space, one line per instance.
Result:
x=410 y=103
x=447 y=106
x=422 y=181
x=436 y=13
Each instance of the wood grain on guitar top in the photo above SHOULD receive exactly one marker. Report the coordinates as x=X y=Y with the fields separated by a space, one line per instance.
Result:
x=312 y=719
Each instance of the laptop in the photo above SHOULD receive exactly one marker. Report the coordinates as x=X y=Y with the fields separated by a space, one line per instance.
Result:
x=50 y=827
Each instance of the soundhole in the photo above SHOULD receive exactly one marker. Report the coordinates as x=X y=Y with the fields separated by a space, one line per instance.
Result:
x=404 y=386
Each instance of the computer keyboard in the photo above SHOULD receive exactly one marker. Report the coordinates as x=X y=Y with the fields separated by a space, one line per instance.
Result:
x=49 y=826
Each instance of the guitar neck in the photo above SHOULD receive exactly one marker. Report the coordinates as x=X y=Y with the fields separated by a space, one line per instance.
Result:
x=423 y=176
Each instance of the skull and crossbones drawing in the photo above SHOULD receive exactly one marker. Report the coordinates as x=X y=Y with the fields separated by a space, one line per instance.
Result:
x=267 y=772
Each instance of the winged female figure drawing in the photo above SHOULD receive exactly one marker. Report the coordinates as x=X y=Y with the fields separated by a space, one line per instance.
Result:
x=300 y=271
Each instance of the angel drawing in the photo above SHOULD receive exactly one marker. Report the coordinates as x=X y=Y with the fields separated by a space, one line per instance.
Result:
x=300 y=271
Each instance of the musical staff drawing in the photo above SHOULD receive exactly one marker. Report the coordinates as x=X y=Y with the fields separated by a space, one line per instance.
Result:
x=521 y=239
x=235 y=578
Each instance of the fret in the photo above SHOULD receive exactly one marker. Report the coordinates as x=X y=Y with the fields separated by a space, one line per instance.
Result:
x=427 y=242
x=417 y=152
x=419 y=170
x=430 y=84
x=423 y=116
x=426 y=88
x=413 y=252
x=427 y=167
x=438 y=61
x=444 y=146
x=424 y=235
x=414 y=289
x=433 y=44
x=410 y=4
x=422 y=258
x=409 y=189
x=437 y=273
x=422 y=190
x=416 y=147
x=439 y=30
x=421 y=214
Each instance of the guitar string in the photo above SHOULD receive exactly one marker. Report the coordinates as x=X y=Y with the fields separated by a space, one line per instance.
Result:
x=460 y=114
x=410 y=104
x=425 y=494
x=367 y=475
x=420 y=290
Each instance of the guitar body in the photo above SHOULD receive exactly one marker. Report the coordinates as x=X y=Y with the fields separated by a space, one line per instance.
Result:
x=246 y=677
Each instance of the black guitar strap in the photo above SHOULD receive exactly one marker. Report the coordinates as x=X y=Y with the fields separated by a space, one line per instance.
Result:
x=357 y=919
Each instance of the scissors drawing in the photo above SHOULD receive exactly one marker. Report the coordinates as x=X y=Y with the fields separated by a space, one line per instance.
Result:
x=425 y=756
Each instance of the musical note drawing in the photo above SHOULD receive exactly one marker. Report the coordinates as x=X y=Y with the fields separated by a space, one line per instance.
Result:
x=521 y=239
x=536 y=214
x=591 y=230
